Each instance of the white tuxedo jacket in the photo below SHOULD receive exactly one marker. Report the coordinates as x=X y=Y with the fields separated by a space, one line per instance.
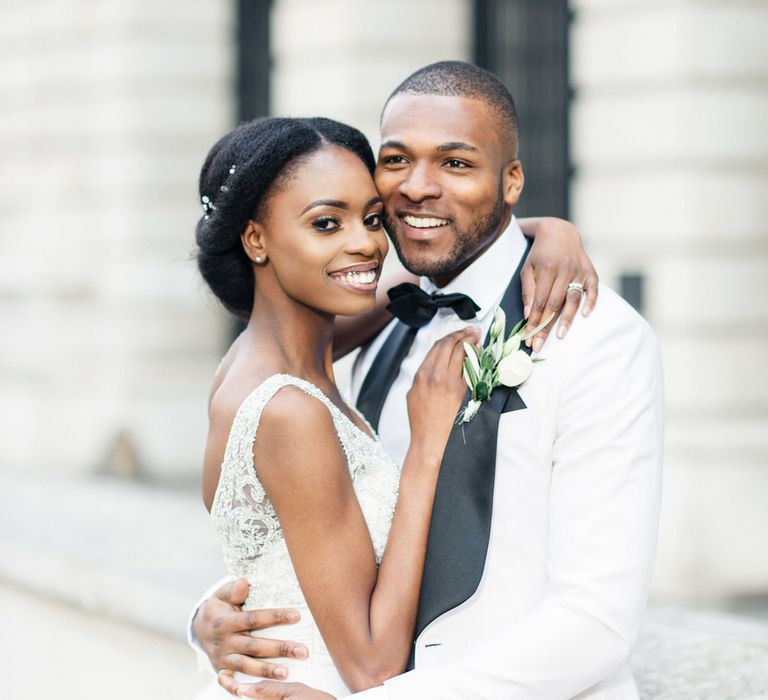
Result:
x=575 y=509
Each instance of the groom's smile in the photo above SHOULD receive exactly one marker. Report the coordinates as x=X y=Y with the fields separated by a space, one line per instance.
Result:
x=424 y=221
x=422 y=226
x=443 y=173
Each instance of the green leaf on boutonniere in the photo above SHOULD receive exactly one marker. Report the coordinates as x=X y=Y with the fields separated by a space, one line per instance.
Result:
x=541 y=326
x=519 y=325
x=473 y=355
x=470 y=376
x=482 y=391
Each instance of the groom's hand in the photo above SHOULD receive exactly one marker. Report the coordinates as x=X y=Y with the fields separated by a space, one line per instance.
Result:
x=222 y=629
x=270 y=690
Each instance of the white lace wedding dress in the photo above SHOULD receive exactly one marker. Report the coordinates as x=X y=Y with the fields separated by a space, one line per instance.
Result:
x=252 y=539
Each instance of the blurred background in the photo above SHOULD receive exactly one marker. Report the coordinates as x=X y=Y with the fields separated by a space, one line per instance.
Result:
x=642 y=122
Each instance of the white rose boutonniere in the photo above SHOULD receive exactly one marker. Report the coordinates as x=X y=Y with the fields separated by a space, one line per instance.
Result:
x=499 y=362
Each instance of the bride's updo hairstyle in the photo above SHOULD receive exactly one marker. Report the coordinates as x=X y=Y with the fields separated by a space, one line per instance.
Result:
x=239 y=174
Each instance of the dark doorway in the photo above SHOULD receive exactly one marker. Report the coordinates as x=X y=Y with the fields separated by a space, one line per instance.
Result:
x=253 y=58
x=252 y=72
x=525 y=43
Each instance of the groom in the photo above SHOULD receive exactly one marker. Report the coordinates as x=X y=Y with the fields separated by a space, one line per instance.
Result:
x=544 y=525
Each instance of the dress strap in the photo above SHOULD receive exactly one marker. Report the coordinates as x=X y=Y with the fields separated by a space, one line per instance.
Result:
x=254 y=404
x=238 y=460
x=278 y=381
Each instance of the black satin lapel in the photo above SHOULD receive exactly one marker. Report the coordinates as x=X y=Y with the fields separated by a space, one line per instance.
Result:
x=514 y=402
x=383 y=371
x=512 y=303
x=461 y=517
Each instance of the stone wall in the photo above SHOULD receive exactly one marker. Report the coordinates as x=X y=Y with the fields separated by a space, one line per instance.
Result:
x=108 y=341
x=342 y=58
x=671 y=169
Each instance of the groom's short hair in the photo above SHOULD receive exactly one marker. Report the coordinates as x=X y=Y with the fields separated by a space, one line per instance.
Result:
x=460 y=79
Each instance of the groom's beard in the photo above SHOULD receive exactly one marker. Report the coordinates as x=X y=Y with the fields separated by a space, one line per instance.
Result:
x=467 y=244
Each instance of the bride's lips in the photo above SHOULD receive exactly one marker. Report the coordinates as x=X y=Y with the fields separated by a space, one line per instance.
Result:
x=363 y=277
x=422 y=226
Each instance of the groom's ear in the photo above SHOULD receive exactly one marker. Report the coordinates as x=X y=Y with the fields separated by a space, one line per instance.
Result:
x=254 y=242
x=512 y=180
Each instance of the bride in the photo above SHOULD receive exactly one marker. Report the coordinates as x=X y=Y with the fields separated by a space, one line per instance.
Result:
x=307 y=505
x=299 y=489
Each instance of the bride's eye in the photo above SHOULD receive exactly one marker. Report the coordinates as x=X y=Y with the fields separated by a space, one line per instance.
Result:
x=373 y=220
x=327 y=224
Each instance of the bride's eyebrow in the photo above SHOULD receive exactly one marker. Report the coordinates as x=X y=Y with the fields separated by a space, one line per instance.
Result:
x=338 y=204
x=325 y=203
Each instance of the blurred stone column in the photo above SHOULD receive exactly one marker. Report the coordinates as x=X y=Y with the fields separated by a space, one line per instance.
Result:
x=342 y=58
x=108 y=342
x=670 y=149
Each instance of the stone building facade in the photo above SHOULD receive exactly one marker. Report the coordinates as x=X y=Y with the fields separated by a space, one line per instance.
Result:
x=109 y=341
x=107 y=110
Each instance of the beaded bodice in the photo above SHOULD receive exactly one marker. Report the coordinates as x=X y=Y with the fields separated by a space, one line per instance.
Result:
x=246 y=521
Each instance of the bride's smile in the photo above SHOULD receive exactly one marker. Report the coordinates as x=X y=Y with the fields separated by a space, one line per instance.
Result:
x=320 y=235
x=362 y=277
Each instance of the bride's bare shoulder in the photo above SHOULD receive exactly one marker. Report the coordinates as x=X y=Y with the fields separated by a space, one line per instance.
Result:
x=236 y=377
x=296 y=434
x=241 y=370
x=224 y=368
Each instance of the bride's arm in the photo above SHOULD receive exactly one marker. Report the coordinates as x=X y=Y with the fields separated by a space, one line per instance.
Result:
x=366 y=615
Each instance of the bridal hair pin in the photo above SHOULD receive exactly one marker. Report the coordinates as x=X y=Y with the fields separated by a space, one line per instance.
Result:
x=224 y=187
x=207 y=203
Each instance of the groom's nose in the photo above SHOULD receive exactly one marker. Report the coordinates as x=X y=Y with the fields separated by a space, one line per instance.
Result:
x=420 y=183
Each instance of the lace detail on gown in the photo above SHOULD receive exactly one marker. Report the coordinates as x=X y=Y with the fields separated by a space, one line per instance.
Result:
x=246 y=521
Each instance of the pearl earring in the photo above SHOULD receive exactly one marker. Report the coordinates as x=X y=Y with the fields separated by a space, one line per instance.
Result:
x=258 y=259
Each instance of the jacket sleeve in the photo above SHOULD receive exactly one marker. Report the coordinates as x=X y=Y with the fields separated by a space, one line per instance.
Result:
x=203 y=662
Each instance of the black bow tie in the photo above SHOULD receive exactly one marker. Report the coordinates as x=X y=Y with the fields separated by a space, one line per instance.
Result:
x=415 y=308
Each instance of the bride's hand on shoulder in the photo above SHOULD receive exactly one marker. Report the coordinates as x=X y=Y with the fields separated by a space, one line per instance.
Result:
x=556 y=260
x=438 y=389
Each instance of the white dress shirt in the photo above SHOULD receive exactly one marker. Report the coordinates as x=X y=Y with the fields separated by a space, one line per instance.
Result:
x=485 y=281
x=575 y=513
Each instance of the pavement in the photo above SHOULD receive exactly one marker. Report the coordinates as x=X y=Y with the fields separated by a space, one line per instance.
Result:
x=685 y=654
x=49 y=649
x=127 y=550
x=98 y=576
x=97 y=579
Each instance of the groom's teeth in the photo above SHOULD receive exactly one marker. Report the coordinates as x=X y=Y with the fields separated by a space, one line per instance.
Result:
x=424 y=222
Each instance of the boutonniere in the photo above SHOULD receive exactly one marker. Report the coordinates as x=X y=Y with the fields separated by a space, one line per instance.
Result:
x=498 y=362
